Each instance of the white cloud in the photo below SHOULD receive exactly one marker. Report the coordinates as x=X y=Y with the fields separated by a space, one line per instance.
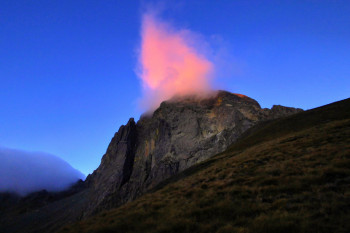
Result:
x=24 y=172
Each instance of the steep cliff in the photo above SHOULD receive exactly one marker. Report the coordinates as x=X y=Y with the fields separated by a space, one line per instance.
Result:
x=180 y=133
x=287 y=175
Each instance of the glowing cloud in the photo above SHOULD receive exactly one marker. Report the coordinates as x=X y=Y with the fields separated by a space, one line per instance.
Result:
x=170 y=64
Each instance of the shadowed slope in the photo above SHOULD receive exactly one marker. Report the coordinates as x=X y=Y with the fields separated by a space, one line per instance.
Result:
x=182 y=132
x=288 y=175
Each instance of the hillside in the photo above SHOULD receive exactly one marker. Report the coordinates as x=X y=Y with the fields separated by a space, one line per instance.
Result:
x=285 y=175
x=182 y=132
x=142 y=155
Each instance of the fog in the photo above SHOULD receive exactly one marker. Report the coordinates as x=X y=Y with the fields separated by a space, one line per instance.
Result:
x=23 y=172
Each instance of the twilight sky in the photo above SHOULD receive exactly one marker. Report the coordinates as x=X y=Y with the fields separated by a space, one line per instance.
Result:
x=69 y=70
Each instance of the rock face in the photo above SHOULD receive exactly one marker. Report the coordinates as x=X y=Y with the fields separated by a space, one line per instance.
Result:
x=181 y=132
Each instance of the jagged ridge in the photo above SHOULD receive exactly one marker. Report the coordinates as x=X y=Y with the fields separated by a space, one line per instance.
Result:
x=181 y=132
x=286 y=175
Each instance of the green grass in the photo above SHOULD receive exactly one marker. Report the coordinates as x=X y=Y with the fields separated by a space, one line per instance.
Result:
x=289 y=175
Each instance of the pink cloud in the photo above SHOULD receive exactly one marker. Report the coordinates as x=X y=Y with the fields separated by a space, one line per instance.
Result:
x=170 y=64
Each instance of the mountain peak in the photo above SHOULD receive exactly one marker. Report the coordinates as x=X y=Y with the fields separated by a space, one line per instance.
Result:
x=183 y=131
x=209 y=98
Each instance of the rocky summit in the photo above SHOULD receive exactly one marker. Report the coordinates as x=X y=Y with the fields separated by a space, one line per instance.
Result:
x=140 y=158
x=183 y=131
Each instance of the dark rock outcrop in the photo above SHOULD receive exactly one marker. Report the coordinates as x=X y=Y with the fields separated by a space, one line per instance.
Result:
x=181 y=132
x=116 y=165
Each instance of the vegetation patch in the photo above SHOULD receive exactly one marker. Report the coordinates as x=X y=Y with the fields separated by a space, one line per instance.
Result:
x=289 y=175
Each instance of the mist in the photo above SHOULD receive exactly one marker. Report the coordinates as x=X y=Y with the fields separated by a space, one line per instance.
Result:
x=24 y=172
x=170 y=63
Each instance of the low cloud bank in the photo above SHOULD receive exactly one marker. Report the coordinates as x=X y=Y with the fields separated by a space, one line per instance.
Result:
x=24 y=172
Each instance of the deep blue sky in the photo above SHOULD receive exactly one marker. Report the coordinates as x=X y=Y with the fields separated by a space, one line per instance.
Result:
x=67 y=68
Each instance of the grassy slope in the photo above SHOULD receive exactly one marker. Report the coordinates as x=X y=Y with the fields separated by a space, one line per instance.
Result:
x=289 y=175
